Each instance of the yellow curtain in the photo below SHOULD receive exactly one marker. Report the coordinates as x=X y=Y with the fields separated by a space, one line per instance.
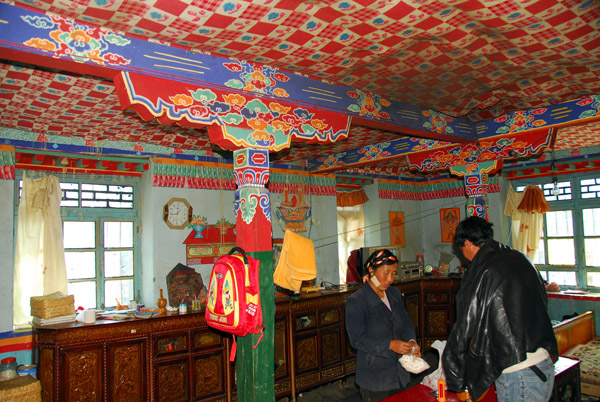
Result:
x=351 y=198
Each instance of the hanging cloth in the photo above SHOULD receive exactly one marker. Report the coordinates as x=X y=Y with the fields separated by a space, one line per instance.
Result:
x=526 y=212
x=296 y=263
x=40 y=267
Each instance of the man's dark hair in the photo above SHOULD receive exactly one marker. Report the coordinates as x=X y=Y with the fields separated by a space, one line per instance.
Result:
x=475 y=229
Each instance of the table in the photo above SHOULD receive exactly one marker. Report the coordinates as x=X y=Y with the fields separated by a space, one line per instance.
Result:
x=422 y=393
x=567 y=383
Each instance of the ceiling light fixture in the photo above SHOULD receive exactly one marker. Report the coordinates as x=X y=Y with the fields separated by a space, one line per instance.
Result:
x=555 y=189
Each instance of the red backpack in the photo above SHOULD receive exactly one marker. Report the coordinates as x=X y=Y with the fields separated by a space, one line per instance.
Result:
x=233 y=302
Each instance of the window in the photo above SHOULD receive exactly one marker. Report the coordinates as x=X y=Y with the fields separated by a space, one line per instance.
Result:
x=569 y=252
x=101 y=239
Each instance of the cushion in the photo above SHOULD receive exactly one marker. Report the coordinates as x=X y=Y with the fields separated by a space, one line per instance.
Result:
x=589 y=354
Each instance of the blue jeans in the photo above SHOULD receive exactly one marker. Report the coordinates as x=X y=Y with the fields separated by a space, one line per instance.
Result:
x=525 y=386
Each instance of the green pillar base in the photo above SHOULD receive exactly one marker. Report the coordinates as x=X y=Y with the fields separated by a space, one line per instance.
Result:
x=255 y=367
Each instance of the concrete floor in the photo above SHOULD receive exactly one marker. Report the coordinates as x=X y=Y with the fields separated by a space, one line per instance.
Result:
x=347 y=391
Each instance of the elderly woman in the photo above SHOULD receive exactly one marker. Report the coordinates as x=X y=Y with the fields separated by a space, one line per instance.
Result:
x=380 y=330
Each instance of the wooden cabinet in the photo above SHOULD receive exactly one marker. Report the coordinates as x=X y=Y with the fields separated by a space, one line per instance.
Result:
x=567 y=381
x=283 y=385
x=179 y=358
x=170 y=358
x=125 y=361
x=430 y=303
x=318 y=338
x=94 y=362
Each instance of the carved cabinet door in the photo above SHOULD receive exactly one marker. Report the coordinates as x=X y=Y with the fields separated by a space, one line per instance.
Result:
x=209 y=375
x=172 y=380
x=127 y=371
x=209 y=366
x=83 y=374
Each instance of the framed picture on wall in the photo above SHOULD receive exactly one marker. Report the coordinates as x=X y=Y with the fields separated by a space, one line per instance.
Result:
x=449 y=220
x=397 y=228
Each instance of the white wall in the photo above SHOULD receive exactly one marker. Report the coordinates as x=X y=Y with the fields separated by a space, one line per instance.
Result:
x=163 y=248
x=422 y=224
x=6 y=253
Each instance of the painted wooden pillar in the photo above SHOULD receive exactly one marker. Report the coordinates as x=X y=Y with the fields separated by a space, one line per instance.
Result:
x=475 y=176
x=255 y=366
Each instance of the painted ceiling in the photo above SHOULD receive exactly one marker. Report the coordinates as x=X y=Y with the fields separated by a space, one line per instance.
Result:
x=477 y=59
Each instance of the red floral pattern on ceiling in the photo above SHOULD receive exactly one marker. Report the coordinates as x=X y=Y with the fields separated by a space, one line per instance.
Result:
x=463 y=57
x=85 y=107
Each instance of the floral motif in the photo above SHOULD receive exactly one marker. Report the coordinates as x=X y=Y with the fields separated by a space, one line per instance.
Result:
x=80 y=42
x=520 y=121
x=438 y=122
x=197 y=220
x=371 y=152
x=368 y=104
x=257 y=78
x=594 y=111
x=250 y=122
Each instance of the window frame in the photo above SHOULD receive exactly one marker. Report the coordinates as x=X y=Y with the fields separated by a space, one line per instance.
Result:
x=576 y=204
x=99 y=216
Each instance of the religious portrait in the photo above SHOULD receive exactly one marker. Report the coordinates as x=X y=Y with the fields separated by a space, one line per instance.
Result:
x=449 y=220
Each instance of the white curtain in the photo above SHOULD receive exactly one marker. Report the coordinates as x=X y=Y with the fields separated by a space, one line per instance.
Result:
x=351 y=223
x=39 y=256
x=527 y=220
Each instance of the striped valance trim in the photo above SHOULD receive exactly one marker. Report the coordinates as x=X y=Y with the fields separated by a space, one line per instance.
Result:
x=214 y=176
x=279 y=180
x=186 y=174
x=447 y=189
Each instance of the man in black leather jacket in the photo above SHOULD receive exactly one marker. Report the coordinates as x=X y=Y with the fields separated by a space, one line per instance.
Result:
x=502 y=333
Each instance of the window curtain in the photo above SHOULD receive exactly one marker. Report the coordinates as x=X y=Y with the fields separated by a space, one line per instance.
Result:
x=526 y=211
x=39 y=256
x=351 y=223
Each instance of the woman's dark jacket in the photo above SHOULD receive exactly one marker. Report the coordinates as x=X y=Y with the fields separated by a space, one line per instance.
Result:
x=371 y=326
x=501 y=314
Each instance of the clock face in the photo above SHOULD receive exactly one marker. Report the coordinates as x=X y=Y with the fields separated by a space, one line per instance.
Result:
x=177 y=213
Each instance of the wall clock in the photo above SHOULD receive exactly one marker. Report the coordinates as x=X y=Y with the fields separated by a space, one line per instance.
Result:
x=177 y=213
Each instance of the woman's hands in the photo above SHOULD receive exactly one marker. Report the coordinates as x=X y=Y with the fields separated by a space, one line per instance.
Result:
x=404 y=348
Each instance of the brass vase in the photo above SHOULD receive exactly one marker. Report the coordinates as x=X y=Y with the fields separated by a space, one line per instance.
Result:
x=161 y=303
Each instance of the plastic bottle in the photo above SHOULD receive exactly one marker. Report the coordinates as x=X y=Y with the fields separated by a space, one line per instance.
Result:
x=8 y=368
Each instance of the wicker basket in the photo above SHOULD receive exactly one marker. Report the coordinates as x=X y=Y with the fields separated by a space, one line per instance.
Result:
x=52 y=305
x=21 y=389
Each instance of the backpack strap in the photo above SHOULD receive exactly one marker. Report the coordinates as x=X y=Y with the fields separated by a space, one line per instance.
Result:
x=260 y=338
x=234 y=346
x=233 y=350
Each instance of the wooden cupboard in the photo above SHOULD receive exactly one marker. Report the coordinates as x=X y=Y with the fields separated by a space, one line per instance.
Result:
x=179 y=358
x=170 y=358
x=431 y=305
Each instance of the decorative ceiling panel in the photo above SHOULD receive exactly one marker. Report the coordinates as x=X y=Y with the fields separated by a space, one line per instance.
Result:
x=462 y=57
x=472 y=58
x=87 y=108
x=577 y=137
x=82 y=107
